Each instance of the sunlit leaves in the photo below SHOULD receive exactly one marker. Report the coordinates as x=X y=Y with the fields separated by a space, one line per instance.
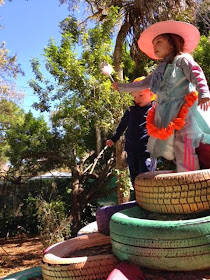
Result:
x=10 y=115
x=28 y=141
x=202 y=55
x=9 y=69
x=79 y=95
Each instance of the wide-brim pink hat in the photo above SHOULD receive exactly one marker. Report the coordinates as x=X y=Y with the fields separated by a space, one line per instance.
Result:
x=187 y=31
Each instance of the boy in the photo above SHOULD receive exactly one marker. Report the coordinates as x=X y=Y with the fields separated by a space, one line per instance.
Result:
x=134 y=122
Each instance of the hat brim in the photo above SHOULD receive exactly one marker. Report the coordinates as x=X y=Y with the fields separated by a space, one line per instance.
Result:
x=187 y=31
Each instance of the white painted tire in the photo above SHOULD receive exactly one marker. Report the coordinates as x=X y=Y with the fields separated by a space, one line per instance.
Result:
x=88 y=229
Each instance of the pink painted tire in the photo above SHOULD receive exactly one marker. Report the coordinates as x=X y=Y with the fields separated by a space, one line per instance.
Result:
x=126 y=271
x=57 y=263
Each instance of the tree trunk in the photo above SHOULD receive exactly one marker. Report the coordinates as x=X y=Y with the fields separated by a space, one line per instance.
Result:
x=123 y=191
x=119 y=48
x=121 y=165
x=75 y=215
x=98 y=140
x=81 y=196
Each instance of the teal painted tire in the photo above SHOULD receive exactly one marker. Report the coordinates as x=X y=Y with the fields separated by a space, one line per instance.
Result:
x=25 y=274
x=180 y=245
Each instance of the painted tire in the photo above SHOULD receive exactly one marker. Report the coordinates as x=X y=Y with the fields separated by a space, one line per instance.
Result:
x=103 y=215
x=25 y=274
x=56 y=263
x=126 y=271
x=183 y=192
x=159 y=243
x=88 y=229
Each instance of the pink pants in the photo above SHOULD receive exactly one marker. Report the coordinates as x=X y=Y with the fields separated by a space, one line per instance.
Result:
x=187 y=157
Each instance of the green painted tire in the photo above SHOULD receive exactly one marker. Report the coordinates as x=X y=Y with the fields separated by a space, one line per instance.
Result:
x=180 y=245
x=175 y=193
x=25 y=274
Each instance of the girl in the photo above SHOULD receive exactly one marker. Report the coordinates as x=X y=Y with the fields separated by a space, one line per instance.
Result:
x=175 y=125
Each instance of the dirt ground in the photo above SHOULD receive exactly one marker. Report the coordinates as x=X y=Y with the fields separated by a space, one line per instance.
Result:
x=17 y=254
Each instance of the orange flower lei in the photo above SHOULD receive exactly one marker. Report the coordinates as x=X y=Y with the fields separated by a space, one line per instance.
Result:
x=177 y=123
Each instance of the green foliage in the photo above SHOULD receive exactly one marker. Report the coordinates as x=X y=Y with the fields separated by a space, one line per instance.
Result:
x=8 y=224
x=202 y=55
x=21 y=220
x=29 y=219
x=23 y=214
x=10 y=115
x=28 y=142
x=123 y=178
x=53 y=225
x=82 y=93
x=9 y=70
x=137 y=66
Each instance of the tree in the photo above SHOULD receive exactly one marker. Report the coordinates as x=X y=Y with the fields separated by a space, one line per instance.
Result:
x=10 y=114
x=85 y=110
x=202 y=55
x=9 y=69
x=28 y=141
x=133 y=17
x=9 y=95
x=202 y=19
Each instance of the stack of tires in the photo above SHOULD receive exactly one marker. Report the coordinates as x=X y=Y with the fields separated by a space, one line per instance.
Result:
x=169 y=229
x=89 y=255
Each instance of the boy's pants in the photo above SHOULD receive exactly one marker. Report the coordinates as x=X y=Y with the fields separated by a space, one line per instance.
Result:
x=137 y=164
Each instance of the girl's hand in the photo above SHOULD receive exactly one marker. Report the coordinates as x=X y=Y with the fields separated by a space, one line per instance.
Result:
x=109 y=142
x=115 y=86
x=204 y=103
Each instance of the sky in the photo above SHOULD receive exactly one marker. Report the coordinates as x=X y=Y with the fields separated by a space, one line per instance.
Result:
x=27 y=28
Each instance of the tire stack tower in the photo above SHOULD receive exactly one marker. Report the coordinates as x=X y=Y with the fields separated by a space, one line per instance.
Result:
x=169 y=229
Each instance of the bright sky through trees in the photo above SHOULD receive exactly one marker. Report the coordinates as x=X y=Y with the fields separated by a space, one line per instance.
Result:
x=27 y=28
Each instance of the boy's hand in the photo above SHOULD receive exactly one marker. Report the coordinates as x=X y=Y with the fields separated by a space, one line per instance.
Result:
x=204 y=103
x=109 y=143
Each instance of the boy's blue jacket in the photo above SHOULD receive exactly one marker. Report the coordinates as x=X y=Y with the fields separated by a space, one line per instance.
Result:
x=134 y=122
